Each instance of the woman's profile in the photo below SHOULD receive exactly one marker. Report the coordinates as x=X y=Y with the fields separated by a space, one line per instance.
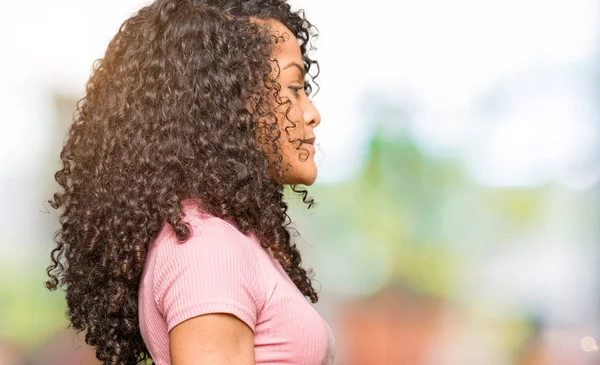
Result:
x=175 y=244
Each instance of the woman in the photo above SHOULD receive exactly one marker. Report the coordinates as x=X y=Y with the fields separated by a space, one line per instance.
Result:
x=175 y=243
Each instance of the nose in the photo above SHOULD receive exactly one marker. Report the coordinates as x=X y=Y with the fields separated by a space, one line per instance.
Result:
x=312 y=117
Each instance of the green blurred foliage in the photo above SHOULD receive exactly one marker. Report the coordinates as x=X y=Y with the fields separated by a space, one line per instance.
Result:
x=412 y=217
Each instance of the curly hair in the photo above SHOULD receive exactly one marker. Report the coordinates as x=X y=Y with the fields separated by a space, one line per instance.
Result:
x=180 y=107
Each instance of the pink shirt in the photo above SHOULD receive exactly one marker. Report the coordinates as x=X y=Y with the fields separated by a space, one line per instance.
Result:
x=220 y=270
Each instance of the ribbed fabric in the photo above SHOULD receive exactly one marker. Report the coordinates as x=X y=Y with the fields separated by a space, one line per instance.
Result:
x=220 y=270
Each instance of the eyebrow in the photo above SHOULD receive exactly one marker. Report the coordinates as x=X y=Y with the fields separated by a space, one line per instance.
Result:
x=299 y=66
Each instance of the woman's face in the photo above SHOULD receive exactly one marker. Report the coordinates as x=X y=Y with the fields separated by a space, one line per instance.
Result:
x=296 y=143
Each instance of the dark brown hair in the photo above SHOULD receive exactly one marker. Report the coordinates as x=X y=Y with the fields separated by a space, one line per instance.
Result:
x=166 y=118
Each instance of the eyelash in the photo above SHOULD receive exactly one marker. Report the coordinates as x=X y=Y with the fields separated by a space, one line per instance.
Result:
x=296 y=89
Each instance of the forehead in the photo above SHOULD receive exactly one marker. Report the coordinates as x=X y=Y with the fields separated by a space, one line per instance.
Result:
x=287 y=48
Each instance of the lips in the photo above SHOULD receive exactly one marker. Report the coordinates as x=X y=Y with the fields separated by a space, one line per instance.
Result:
x=309 y=144
x=310 y=140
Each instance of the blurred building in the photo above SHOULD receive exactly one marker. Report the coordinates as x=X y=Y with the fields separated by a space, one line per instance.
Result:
x=394 y=326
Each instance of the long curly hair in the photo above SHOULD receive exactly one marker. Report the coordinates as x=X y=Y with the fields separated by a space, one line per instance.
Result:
x=182 y=106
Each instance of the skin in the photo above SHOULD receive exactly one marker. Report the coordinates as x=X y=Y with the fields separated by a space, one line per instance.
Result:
x=297 y=143
x=220 y=338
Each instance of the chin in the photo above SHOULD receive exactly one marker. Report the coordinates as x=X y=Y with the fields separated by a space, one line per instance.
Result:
x=311 y=175
x=304 y=173
x=306 y=178
x=309 y=182
x=309 y=178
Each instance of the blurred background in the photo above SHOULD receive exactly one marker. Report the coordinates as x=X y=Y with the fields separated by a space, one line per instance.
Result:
x=459 y=184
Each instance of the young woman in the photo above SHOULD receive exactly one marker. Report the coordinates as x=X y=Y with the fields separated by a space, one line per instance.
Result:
x=175 y=243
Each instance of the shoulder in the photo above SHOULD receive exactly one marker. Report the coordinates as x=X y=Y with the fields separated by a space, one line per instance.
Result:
x=209 y=235
x=213 y=247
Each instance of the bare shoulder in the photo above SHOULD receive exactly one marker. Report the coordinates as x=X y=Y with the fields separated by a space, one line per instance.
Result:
x=212 y=339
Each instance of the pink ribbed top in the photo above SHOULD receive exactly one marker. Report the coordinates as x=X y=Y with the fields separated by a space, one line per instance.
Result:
x=220 y=270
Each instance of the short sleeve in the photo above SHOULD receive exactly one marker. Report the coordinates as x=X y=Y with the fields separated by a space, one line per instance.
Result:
x=214 y=271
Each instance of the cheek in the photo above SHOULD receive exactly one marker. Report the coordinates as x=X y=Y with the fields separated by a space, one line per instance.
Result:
x=290 y=132
x=293 y=124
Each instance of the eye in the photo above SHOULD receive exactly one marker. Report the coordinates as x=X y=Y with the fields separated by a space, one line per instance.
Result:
x=296 y=89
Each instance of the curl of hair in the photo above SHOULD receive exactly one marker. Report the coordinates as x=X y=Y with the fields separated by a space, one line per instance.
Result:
x=165 y=118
